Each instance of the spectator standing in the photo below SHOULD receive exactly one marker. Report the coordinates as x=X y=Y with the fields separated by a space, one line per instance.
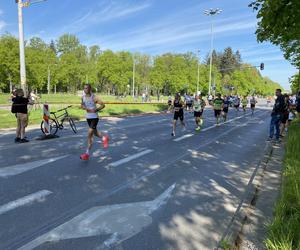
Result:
x=276 y=115
x=19 y=107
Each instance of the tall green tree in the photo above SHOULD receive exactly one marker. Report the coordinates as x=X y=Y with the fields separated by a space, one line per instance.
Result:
x=9 y=62
x=67 y=43
x=279 y=23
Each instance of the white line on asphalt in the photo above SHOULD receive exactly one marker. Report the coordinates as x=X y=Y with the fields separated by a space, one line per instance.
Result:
x=38 y=196
x=183 y=137
x=23 y=167
x=130 y=158
x=208 y=128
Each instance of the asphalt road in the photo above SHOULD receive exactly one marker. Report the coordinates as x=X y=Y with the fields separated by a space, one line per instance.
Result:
x=148 y=190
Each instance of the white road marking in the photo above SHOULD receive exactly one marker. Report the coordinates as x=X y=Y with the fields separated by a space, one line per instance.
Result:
x=183 y=137
x=23 y=167
x=40 y=195
x=121 y=221
x=130 y=158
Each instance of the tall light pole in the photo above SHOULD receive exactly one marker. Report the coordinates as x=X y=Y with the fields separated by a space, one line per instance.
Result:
x=211 y=12
x=22 y=4
x=22 y=49
x=198 y=73
x=133 y=76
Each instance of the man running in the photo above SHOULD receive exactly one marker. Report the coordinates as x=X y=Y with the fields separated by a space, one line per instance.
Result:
x=178 y=106
x=169 y=102
x=218 y=106
x=199 y=105
x=226 y=104
x=236 y=103
x=89 y=103
x=244 y=103
x=252 y=104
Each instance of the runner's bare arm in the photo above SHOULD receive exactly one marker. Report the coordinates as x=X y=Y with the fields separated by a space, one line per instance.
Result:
x=100 y=103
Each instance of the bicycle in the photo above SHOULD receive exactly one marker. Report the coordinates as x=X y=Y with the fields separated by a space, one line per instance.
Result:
x=55 y=124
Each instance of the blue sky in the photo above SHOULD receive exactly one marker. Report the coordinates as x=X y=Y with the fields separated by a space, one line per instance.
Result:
x=151 y=26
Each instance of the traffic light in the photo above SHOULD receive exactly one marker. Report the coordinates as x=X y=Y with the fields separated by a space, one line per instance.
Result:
x=262 y=66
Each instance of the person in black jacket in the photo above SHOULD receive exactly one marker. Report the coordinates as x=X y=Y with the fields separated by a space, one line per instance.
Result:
x=277 y=114
x=298 y=105
x=19 y=107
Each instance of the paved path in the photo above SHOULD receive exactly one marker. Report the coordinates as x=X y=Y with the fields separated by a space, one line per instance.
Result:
x=148 y=190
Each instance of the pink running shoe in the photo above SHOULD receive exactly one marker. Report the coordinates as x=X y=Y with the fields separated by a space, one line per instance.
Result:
x=105 y=140
x=84 y=157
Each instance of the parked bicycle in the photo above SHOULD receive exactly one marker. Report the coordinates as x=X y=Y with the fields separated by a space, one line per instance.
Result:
x=57 y=121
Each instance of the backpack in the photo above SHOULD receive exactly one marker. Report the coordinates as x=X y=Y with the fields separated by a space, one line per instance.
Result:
x=14 y=107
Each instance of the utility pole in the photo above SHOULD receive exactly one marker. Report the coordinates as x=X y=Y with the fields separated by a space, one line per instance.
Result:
x=198 y=73
x=211 y=12
x=22 y=49
x=48 y=85
x=22 y=4
x=133 y=77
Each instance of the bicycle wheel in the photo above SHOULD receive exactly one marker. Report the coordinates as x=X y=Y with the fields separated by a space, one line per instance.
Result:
x=53 y=126
x=72 y=125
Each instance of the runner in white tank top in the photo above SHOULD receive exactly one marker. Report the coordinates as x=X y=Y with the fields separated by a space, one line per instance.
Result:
x=89 y=103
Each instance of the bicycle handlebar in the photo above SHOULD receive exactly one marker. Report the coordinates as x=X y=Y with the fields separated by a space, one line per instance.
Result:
x=62 y=109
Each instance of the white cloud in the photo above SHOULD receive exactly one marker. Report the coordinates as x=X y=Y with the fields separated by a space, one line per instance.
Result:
x=173 y=33
x=105 y=12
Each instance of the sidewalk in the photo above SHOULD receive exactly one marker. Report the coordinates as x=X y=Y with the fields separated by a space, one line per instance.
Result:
x=254 y=230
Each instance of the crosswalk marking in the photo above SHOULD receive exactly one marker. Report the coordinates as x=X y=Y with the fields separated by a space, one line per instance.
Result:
x=130 y=158
x=23 y=167
x=24 y=201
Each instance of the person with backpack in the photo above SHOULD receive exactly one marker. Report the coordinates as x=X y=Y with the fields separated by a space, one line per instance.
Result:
x=278 y=111
x=19 y=108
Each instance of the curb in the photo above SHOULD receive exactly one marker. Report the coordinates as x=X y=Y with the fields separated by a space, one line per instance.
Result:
x=233 y=234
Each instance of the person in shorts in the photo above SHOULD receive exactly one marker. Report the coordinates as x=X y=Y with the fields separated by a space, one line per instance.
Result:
x=226 y=105
x=178 y=106
x=218 y=106
x=236 y=103
x=252 y=104
x=244 y=103
x=199 y=105
x=89 y=103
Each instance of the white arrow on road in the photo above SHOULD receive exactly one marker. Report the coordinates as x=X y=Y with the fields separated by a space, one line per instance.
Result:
x=121 y=221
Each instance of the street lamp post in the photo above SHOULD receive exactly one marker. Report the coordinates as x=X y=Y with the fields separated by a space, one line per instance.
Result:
x=133 y=76
x=22 y=4
x=22 y=50
x=198 y=73
x=211 y=12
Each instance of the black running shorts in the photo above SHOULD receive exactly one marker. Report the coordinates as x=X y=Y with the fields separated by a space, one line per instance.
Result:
x=225 y=110
x=93 y=122
x=217 y=113
x=178 y=114
x=198 y=113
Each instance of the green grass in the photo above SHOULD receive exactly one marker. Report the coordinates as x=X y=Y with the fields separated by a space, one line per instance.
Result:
x=284 y=230
x=73 y=98
x=8 y=120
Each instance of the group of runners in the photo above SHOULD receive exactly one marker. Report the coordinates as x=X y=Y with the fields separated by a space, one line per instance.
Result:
x=220 y=106
x=92 y=104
